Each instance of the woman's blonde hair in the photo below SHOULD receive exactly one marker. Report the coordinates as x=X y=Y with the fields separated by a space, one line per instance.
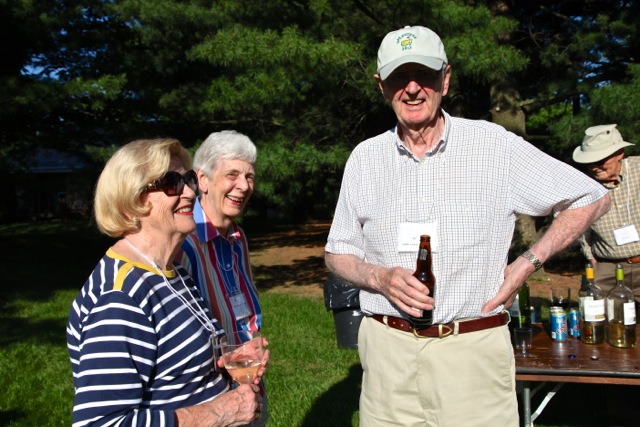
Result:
x=118 y=202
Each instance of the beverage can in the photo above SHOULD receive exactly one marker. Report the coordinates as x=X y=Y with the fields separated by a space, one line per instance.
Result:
x=558 y=320
x=574 y=322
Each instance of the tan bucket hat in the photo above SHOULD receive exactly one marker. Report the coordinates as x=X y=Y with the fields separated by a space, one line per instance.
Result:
x=599 y=143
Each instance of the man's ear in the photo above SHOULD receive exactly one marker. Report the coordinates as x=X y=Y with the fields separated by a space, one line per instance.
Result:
x=379 y=81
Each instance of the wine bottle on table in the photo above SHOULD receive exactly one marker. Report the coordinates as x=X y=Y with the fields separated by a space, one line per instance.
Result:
x=525 y=307
x=592 y=310
x=520 y=310
x=621 y=314
x=425 y=275
x=584 y=287
x=514 y=313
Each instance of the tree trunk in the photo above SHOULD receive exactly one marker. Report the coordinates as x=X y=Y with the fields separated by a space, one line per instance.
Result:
x=506 y=111
x=505 y=106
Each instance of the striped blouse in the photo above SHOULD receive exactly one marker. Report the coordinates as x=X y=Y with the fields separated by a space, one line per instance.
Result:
x=137 y=350
x=220 y=267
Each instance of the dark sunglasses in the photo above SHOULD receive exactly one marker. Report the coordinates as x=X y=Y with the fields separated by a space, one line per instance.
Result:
x=172 y=183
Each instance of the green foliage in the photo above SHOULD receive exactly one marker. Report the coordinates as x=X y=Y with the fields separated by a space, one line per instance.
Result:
x=297 y=76
x=610 y=103
x=618 y=103
x=294 y=67
x=473 y=51
x=94 y=94
x=290 y=174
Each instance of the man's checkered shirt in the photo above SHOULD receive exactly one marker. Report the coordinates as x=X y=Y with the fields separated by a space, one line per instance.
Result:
x=599 y=242
x=473 y=184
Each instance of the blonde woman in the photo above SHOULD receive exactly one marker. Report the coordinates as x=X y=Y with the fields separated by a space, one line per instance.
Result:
x=139 y=335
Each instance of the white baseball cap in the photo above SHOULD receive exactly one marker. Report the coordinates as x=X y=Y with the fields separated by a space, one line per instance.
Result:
x=410 y=44
x=599 y=143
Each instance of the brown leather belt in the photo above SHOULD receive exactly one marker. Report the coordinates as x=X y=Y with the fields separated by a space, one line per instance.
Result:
x=632 y=260
x=441 y=330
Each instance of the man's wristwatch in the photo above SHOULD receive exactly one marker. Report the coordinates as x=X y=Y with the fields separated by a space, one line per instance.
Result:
x=532 y=259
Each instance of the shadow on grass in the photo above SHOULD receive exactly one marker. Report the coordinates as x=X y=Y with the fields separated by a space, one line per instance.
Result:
x=336 y=406
x=579 y=405
x=43 y=258
x=267 y=234
x=46 y=257
x=301 y=272
x=7 y=418
x=20 y=329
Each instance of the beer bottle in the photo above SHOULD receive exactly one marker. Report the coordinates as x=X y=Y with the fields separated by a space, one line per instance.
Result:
x=591 y=310
x=621 y=314
x=425 y=275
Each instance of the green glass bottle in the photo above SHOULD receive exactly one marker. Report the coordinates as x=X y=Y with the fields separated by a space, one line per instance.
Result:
x=525 y=306
x=621 y=314
x=520 y=310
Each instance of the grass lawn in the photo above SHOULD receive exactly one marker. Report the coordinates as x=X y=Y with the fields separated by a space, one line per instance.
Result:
x=310 y=382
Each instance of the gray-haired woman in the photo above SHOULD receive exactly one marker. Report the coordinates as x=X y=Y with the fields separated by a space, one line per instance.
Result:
x=217 y=253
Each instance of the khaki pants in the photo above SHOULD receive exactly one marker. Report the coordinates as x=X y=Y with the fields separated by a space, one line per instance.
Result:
x=465 y=380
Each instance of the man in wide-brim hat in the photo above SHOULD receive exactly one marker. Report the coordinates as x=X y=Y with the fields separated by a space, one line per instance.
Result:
x=613 y=239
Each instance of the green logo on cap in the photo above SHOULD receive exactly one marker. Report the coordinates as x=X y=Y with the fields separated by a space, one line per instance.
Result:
x=406 y=40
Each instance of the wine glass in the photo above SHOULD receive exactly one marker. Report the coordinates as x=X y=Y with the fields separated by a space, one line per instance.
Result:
x=242 y=355
x=522 y=338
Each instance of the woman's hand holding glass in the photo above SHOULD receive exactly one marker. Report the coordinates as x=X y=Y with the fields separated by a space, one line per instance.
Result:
x=244 y=356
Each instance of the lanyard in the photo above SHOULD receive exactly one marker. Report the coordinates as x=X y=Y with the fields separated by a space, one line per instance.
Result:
x=200 y=314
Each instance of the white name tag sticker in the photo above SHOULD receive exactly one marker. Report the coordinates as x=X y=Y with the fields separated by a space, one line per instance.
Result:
x=409 y=235
x=240 y=306
x=625 y=235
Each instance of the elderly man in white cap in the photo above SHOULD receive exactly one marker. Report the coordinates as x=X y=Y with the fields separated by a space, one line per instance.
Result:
x=463 y=182
x=613 y=239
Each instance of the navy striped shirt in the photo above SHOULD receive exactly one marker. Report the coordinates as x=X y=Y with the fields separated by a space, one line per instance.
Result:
x=137 y=352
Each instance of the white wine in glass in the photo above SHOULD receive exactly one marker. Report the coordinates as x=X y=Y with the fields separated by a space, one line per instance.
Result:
x=242 y=355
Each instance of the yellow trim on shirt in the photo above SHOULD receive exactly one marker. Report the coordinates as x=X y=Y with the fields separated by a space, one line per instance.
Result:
x=122 y=273
x=124 y=270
